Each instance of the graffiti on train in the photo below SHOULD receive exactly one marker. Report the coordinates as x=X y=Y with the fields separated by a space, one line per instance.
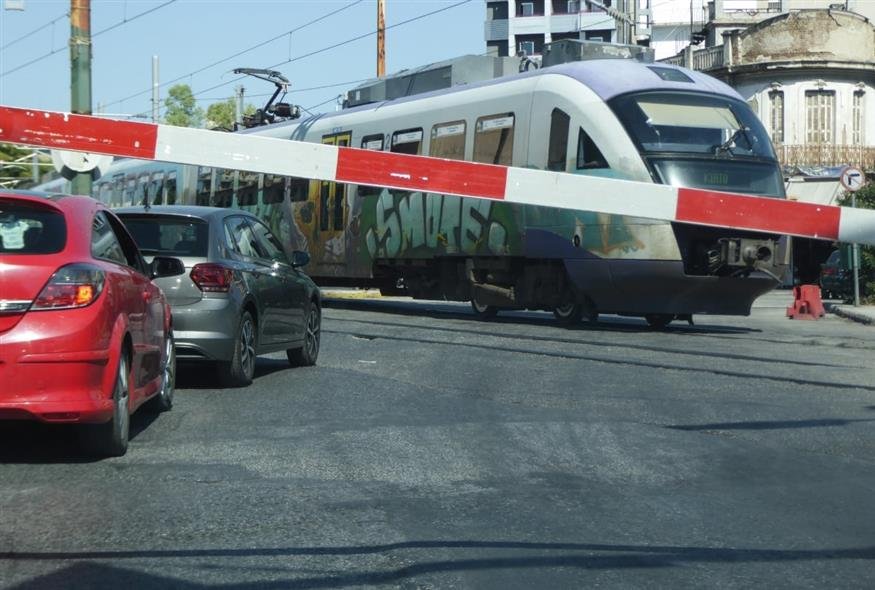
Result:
x=406 y=223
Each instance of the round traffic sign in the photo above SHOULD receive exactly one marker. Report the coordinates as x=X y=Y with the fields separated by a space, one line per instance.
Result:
x=852 y=178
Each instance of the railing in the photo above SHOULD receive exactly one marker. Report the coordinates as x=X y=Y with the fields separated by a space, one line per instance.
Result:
x=826 y=155
x=675 y=60
x=706 y=59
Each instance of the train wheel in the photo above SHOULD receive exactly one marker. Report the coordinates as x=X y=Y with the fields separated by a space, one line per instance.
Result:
x=658 y=321
x=483 y=312
x=568 y=314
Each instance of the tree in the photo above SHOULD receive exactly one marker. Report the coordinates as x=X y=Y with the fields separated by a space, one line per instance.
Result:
x=15 y=165
x=182 y=109
x=221 y=115
x=865 y=200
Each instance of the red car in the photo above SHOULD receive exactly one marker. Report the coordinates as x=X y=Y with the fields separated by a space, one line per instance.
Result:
x=85 y=335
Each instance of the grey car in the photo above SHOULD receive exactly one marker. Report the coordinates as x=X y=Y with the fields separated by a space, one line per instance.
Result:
x=242 y=294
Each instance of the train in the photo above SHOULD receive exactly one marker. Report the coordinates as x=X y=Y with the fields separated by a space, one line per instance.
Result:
x=617 y=118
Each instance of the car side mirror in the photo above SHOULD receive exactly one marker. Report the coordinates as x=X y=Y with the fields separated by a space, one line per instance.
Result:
x=300 y=258
x=166 y=266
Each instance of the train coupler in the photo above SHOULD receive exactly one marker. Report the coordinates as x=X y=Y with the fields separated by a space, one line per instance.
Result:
x=806 y=303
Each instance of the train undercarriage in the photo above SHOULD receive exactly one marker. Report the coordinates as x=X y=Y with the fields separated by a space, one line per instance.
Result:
x=717 y=275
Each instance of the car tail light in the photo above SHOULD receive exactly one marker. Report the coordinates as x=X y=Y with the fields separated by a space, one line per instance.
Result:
x=75 y=285
x=211 y=278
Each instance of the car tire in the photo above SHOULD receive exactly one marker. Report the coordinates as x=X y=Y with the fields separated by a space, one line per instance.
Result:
x=306 y=355
x=110 y=439
x=569 y=314
x=163 y=401
x=239 y=371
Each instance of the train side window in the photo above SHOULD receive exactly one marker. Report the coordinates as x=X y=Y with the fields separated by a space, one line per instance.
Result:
x=224 y=193
x=140 y=195
x=204 y=184
x=247 y=189
x=493 y=139
x=298 y=188
x=274 y=189
x=130 y=190
x=557 y=149
x=170 y=189
x=448 y=140
x=407 y=141
x=375 y=141
x=589 y=156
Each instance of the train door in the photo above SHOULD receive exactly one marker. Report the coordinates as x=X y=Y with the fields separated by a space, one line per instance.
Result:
x=331 y=216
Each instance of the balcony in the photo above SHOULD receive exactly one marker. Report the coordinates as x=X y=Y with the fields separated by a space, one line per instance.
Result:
x=826 y=155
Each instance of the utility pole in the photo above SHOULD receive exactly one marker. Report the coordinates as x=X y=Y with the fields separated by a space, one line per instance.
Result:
x=155 y=86
x=238 y=107
x=381 y=38
x=80 y=74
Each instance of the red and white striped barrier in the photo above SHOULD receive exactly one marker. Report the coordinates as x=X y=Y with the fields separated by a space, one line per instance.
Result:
x=254 y=153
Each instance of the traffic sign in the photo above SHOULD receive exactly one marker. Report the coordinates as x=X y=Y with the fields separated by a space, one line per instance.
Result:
x=268 y=155
x=852 y=178
x=69 y=164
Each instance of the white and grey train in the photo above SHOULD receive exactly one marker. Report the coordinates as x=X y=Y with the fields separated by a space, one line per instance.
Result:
x=617 y=118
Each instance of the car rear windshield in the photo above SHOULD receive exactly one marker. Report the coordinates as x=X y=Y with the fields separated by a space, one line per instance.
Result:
x=28 y=228
x=174 y=236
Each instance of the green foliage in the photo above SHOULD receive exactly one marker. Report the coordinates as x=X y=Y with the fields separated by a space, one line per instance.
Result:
x=15 y=164
x=182 y=109
x=865 y=198
x=220 y=115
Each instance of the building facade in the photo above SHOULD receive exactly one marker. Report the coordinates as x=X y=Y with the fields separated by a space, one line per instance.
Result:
x=516 y=27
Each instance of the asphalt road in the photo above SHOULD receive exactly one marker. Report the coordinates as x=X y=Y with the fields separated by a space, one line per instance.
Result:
x=431 y=450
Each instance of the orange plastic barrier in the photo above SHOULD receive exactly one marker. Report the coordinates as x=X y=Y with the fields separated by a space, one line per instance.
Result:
x=806 y=303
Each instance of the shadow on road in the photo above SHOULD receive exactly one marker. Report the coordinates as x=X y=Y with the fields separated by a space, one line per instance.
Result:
x=36 y=442
x=202 y=375
x=770 y=424
x=608 y=323
x=585 y=556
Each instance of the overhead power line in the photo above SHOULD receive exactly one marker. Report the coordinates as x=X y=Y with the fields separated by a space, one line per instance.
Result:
x=241 y=52
x=342 y=43
x=116 y=25
x=37 y=30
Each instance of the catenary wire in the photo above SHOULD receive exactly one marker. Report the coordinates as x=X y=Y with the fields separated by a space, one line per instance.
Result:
x=118 y=24
x=37 y=30
x=241 y=52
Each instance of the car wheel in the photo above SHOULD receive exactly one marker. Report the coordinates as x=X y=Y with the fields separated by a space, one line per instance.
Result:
x=111 y=438
x=483 y=312
x=568 y=314
x=238 y=372
x=658 y=321
x=306 y=355
x=164 y=400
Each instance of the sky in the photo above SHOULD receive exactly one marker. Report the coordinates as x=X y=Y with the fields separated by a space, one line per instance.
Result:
x=200 y=42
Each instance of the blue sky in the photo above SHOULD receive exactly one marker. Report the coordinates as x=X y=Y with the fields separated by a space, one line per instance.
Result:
x=191 y=36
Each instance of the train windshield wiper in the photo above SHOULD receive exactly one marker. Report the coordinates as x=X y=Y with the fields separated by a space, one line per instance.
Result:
x=727 y=145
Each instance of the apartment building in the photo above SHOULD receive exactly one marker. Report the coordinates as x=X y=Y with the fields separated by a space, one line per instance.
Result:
x=516 y=27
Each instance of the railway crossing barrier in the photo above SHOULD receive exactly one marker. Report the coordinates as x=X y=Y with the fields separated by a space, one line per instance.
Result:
x=150 y=141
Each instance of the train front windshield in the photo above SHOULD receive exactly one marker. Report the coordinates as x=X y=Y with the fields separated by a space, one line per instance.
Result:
x=701 y=141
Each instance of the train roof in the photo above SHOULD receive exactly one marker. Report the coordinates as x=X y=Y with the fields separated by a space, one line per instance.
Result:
x=608 y=78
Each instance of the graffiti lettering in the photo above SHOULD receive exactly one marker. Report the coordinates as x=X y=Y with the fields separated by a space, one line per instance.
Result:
x=408 y=221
